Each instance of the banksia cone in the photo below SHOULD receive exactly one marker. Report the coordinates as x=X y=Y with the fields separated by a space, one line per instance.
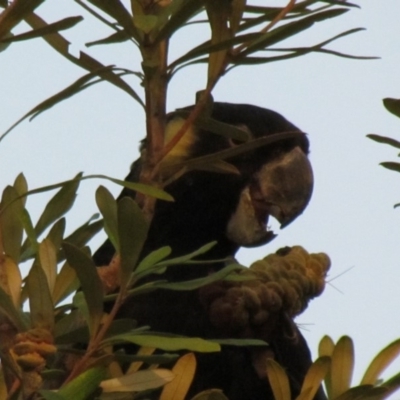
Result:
x=281 y=283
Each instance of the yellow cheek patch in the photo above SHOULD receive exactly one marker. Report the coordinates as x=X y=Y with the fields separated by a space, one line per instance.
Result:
x=182 y=150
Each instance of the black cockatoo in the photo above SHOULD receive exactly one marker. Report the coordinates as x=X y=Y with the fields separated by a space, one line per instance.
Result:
x=233 y=210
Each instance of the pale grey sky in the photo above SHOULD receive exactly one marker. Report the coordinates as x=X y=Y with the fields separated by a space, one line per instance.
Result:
x=336 y=101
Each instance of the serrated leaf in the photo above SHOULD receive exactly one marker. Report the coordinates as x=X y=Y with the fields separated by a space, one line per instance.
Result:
x=66 y=283
x=40 y=301
x=278 y=380
x=385 y=140
x=382 y=360
x=83 y=385
x=10 y=223
x=11 y=279
x=166 y=343
x=90 y=283
x=183 y=372
x=59 y=204
x=108 y=208
x=392 y=105
x=153 y=258
x=132 y=233
x=63 y=24
x=138 y=381
x=48 y=262
x=342 y=365
x=312 y=381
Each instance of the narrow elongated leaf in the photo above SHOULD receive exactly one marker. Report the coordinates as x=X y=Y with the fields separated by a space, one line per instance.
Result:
x=342 y=366
x=394 y=166
x=66 y=283
x=278 y=380
x=11 y=279
x=182 y=259
x=383 y=359
x=85 y=61
x=50 y=395
x=326 y=346
x=200 y=282
x=21 y=186
x=56 y=233
x=392 y=105
x=385 y=140
x=132 y=232
x=290 y=29
x=10 y=223
x=153 y=258
x=392 y=384
x=166 y=343
x=48 y=262
x=13 y=313
x=59 y=204
x=90 y=283
x=40 y=301
x=15 y=13
x=220 y=128
x=117 y=37
x=85 y=232
x=83 y=385
x=116 y=10
x=108 y=208
x=46 y=30
x=184 y=371
x=138 y=381
x=312 y=381
x=240 y=342
x=360 y=392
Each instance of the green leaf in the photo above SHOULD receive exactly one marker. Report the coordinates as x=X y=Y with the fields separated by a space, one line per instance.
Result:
x=40 y=301
x=116 y=10
x=132 y=233
x=46 y=30
x=381 y=362
x=59 y=204
x=278 y=380
x=117 y=37
x=71 y=329
x=240 y=342
x=8 y=309
x=392 y=384
x=11 y=279
x=56 y=233
x=326 y=348
x=166 y=343
x=108 y=208
x=200 y=282
x=153 y=258
x=366 y=392
x=145 y=23
x=51 y=395
x=48 y=262
x=21 y=186
x=66 y=283
x=90 y=283
x=392 y=105
x=394 y=166
x=342 y=366
x=138 y=381
x=85 y=232
x=11 y=223
x=385 y=140
x=83 y=385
